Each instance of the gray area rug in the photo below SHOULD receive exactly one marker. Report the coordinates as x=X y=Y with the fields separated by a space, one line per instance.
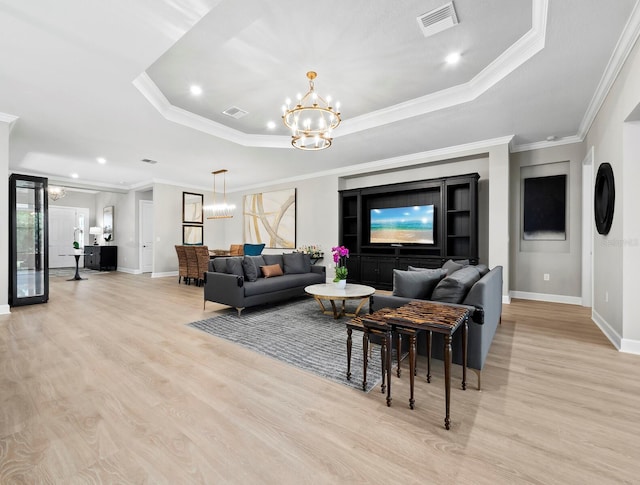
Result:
x=296 y=332
x=70 y=272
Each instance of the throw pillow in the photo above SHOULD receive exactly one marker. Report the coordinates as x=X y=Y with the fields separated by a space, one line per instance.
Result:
x=251 y=266
x=452 y=266
x=234 y=266
x=294 y=263
x=253 y=249
x=483 y=269
x=271 y=270
x=432 y=270
x=220 y=265
x=270 y=259
x=415 y=284
x=454 y=288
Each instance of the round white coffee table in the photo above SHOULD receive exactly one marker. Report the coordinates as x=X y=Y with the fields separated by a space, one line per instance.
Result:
x=329 y=291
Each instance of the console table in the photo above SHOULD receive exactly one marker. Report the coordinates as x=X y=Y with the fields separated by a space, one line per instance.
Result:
x=101 y=257
x=409 y=319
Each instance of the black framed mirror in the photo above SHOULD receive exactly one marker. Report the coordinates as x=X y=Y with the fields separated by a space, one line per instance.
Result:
x=604 y=198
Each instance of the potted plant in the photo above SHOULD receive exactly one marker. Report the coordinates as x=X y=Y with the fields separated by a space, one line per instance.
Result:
x=340 y=255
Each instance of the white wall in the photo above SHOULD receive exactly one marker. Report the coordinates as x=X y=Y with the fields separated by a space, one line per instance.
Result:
x=4 y=210
x=562 y=260
x=606 y=136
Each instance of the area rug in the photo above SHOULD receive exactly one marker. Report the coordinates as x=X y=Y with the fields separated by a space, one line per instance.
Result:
x=297 y=333
x=70 y=272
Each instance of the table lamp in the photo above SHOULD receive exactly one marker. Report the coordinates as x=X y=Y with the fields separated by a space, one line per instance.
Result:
x=96 y=231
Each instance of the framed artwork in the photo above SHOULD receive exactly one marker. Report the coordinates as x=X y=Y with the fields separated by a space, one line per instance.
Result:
x=270 y=218
x=192 y=235
x=544 y=211
x=192 y=208
x=107 y=224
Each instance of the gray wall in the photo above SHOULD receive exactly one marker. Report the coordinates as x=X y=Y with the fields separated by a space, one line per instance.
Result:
x=606 y=136
x=562 y=260
x=4 y=210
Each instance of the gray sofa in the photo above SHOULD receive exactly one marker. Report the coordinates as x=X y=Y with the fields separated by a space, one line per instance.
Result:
x=483 y=298
x=239 y=281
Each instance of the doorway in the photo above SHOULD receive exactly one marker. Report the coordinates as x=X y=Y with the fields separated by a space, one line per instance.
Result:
x=146 y=236
x=66 y=225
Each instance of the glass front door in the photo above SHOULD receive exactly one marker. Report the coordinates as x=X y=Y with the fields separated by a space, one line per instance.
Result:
x=29 y=258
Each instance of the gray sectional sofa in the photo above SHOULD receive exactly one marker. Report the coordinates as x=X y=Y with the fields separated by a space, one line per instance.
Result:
x=240 y=282
x=474 y=287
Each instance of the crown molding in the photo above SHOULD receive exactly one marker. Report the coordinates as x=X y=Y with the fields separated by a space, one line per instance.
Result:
x=532 y=42
x=567 y=140
x=623 y=48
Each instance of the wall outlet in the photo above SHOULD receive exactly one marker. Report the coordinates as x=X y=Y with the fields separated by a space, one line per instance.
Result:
x=606 y=297
x=546 y=276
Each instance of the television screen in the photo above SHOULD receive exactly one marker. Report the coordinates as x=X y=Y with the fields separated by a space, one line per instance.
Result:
x=402 y=225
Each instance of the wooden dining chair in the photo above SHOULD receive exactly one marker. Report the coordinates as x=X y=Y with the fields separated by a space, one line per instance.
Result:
x=182 y=263
x=202 y=255
x=192 y=264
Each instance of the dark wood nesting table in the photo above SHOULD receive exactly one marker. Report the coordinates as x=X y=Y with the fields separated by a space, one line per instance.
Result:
x=409 y=320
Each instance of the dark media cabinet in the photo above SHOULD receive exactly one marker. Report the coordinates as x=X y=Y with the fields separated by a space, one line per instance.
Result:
x=455 y=201
x=101 y=257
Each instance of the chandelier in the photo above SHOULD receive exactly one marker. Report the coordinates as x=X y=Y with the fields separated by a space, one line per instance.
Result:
x=224 y=210
x=56 y=193
x=312 y=119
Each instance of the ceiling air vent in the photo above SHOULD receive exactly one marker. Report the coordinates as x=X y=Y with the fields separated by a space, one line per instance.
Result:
x=438 y=20
x=235 y=112
x=148 y=160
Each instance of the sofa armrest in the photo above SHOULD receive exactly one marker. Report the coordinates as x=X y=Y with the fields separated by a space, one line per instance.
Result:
x=224 y=288
x=486 y=296
x=316 y=268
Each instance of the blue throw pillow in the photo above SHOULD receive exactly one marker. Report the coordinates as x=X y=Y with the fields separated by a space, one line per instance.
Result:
x=253 y=249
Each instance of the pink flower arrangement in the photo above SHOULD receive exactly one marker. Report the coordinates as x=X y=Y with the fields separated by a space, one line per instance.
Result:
x=340 y=254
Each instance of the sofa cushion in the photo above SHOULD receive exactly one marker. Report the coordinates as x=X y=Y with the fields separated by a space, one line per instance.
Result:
x=270 y=259
x=271 y=270
x=455 y=287
x=296 y=263
x=415 y=284
x=251 y=266
x=253 y=249
x=452 y=266
x=440 y=270
x=483 y=269
x=234 y=266
x=219 y=265
x=285 y=282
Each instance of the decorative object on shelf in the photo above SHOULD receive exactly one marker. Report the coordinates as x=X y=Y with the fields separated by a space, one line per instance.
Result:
x=224 y=210
x=95 y=231
x=107 y=223
x=192 y=208
x=56 y=193
x=312 y=119
x=340 y=255
x=604 y=198
x=107 y=238
x=77 y=231
x=313 y=250
x=270 y=218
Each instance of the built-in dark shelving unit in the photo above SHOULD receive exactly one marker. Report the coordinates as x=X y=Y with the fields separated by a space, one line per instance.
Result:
x=455 y=201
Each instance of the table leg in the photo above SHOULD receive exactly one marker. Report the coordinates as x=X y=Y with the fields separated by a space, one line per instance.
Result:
x=429 y=342
x=412 y=366
x=387 y=356
x=447 y=379
x=335 y=310
x=362 y=302
x=349 y=332
x=365 y=345
x=465 y=333
x=77 y=275
x=322 y=308
x=398 y=350
x=383 y=363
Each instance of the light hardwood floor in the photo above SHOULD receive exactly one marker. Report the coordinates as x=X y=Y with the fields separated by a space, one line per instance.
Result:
x=106 y=384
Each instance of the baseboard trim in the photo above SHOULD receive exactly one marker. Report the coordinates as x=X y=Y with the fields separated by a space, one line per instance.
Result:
x=630 y=346
x=607 y=329
x=130 y=270
x=527 y=295
x=506 y=299
x=165 y=274
x=5 y=309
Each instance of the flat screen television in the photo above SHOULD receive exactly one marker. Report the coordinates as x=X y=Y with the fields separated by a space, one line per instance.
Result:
x=402 y=225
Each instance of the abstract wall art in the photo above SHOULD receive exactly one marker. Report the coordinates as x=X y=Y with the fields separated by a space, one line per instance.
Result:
x=270 y=218
x=544 y=210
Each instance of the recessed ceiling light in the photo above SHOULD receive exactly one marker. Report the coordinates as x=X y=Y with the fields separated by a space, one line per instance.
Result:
x=101 y=160
x=453 y=58
x=74 y=175
x=195 y=90
x=271 y=125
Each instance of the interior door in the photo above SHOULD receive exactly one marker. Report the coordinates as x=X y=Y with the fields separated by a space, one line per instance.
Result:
x=146 y=236
x=66 y=224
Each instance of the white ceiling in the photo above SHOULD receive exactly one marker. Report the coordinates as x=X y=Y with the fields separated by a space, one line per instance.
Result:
x=89 y=79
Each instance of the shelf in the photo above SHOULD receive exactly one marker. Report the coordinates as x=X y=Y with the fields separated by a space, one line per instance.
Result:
x=458 y=211
x=457 y=235
x=350 y=217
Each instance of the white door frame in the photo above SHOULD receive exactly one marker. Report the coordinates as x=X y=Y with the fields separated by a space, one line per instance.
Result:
x=587 y=228
x=141 y=204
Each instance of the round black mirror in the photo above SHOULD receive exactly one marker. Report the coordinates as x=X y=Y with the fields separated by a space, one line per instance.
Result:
x=604 y=198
